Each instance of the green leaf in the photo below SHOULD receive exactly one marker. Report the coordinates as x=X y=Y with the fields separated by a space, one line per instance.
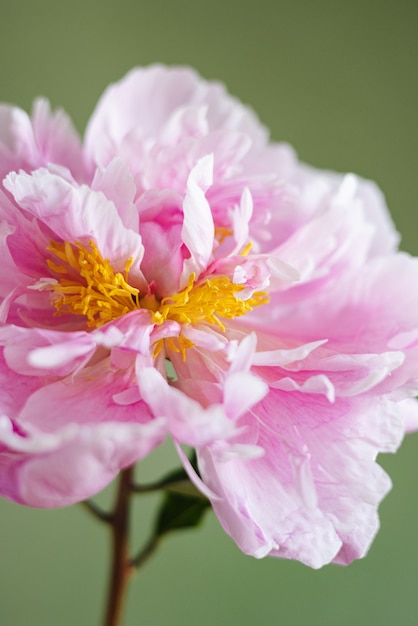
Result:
x=180 y=511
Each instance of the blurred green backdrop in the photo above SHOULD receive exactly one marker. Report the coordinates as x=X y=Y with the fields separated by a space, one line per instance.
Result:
x=339 y=81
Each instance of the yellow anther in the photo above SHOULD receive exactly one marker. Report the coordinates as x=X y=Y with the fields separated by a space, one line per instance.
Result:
x=208 y=301
x=87 y=285
x=222 y=233
x=246 y=249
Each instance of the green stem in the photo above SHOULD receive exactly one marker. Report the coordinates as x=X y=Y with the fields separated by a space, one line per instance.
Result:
x=97 y=512
x=142 y=557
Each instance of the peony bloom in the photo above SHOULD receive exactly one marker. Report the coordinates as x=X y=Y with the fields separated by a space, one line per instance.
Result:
x=177 y=274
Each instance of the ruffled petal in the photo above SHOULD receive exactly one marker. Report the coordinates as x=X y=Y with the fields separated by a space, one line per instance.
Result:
x=72 y=463
x=320 y=475
x=78 y=213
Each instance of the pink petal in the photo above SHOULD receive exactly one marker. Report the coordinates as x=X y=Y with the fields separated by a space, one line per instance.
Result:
x=187 y=421
x=198 y=228
x=57 y=140
x=319 y=471
x=77 y=461
x=77 y=213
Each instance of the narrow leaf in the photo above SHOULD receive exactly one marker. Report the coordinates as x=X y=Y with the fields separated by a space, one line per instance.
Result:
x=180 y=511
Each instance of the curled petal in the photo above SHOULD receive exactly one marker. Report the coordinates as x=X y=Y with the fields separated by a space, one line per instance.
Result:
x=73 y=463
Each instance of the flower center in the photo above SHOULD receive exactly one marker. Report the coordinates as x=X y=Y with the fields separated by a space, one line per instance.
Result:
x=207 y=301
x=87 y=285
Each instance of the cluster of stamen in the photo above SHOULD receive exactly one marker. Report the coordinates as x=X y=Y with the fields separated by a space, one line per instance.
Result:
x=206 y=302
x=87 y=285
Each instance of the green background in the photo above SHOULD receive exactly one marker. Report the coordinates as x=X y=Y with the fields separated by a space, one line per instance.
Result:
x=339 y=81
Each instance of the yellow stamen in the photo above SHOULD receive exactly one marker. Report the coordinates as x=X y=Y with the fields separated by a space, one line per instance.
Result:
x=87 y=285
x=222 y=233
x=246 y=249
x=206 y=302
x=177 y=344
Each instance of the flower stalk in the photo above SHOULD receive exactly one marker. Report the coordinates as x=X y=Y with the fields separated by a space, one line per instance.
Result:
x=121 y=568
x=182 y=507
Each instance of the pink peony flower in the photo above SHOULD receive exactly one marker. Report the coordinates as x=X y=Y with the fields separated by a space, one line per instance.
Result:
x=180 y=275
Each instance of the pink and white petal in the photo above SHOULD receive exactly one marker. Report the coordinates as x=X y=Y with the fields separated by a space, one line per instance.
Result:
x=386 y=238
x=241 y=216
x=256 y=272
x=34 y=351
x=285 y=356
x=74 y=463
x=262 y=515
x=188 y=422
x=320 y=475
x=370 y=198
x=161 y=231
x=135 y=329
x=203 y=375
x=168 y=167
x=185 y=122
x=319 y=384
x=403 y=381
x=241 y=354
x=380 y=294
x=408 y=408
x=57 y=140
x=16 y=389
x=206 y=338
x=78 y=213
x=242 y=391
x=17 y=143
x=6 y=307
x=84 y=398
x=117 y=184
x=26 y=242
x=333 y=240
x=199 y=375
x=351 y=484
x=146 y=98
x=9 y=273
x=198 y=231
x=336 y=374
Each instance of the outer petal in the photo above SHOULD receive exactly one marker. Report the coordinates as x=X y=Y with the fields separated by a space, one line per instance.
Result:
x=29 y=143
x=317 y=187
x=23 y=245
x=346 y=313
x=313 y=495
x=71 y=464
x=145 y=101
x=57 y=140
